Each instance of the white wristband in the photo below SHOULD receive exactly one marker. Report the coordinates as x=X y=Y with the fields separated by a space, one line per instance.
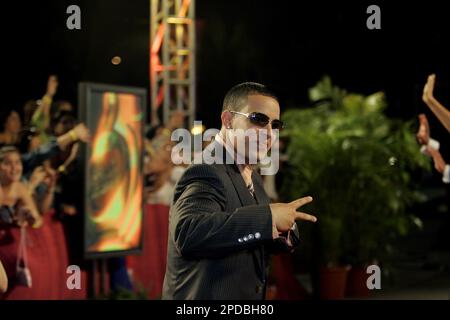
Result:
x=446 y=175
x=434 y=144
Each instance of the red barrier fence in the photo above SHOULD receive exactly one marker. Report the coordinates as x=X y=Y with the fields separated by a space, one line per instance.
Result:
x=48 y=258
x=47 y=261
x=148 y=269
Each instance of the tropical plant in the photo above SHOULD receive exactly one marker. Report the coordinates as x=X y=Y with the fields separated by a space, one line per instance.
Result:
x=359 y=165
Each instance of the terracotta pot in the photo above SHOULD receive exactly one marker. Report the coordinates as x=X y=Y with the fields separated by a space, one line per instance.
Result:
x=332 y=282
x=357 y=283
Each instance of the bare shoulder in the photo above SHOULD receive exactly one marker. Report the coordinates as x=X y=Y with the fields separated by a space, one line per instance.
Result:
x=20 y=189
x=20 y=186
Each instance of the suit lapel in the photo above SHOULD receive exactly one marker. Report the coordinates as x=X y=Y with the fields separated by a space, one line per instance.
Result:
x=239 y=184
x=260 y=193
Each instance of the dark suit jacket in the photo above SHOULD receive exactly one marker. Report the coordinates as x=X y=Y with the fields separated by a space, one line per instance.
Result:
x=220 y=236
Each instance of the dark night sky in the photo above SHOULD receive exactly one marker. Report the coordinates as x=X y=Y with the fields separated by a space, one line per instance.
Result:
x=288 y=45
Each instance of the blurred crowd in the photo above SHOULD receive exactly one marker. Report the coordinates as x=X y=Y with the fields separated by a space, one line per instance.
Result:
x=41 y=180
x=160 y=173
x=39 y=146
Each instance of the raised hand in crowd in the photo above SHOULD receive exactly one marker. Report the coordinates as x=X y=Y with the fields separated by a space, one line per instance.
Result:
x=79 y=133
x=435 y=106
x=52 y=85
x=82 y=133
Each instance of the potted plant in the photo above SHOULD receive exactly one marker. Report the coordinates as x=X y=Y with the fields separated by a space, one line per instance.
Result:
x=357 y=164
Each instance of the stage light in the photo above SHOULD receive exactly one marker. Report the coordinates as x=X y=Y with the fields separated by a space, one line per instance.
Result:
x=197 y=129
x=116 y=60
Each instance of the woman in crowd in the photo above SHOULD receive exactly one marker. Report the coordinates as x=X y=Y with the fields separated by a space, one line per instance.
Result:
x=14 y=193
x=20 y=247
x=12 y=125
x=63 y=122
x=17 y=209
x=161 y=175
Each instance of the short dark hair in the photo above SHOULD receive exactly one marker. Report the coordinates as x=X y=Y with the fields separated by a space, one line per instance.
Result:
x=236 y=97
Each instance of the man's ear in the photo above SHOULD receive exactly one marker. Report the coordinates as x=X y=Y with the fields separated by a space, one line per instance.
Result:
x=226 y=118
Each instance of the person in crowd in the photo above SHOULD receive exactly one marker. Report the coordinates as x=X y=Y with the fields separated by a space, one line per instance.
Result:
x=15 y=194
x=430 y=146
x=160 y=172
x=442 y=113
x=41 y=178
x=3 y=279
x=62 y=105
x=40 y=119
x=29 y=109
x=63 y=122
x=11 y=128
x=56 y=145
x=27 y=179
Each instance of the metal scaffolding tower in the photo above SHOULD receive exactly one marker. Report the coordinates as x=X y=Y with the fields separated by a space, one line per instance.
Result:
x=172 y=58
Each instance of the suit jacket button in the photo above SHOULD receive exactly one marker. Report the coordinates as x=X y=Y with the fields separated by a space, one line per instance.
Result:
x=245 y=238
x=257 y=235
x=240 y=240
x=250 y=236
x=258 y=289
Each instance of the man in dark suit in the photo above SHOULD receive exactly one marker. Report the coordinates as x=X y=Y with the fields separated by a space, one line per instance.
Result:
x=222 y=228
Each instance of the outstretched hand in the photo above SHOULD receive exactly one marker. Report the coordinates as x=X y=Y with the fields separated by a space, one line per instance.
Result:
x=82 y=132
x=52 y=85
x=427 y=95
x=285 y=214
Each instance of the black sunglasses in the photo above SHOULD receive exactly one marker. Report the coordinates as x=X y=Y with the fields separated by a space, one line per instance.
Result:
x=261 y=120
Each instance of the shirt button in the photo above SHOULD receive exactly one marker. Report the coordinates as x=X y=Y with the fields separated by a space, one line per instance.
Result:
x=257 y=235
